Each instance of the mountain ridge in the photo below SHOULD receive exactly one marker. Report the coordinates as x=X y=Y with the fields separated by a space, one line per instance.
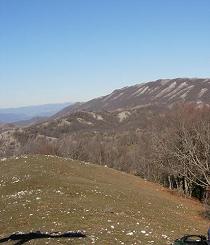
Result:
x=163 y=92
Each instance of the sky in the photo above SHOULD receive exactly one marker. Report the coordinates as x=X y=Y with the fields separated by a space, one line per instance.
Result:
x=74 y=50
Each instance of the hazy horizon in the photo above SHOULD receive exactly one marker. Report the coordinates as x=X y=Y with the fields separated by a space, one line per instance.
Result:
x=56 y=51
x=35 y=105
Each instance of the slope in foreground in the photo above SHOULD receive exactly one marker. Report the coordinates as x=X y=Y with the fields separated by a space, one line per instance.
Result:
x=55 y=194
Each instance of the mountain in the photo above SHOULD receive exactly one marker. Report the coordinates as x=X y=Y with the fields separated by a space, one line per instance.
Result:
x=49 y=193
x=11 y=115
x=129 y=109
x=164 y=92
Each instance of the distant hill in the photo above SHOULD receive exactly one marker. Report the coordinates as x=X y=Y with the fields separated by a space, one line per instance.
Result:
x=55 y=194
x=11 y=115
x=29 y=122
x=161 y=92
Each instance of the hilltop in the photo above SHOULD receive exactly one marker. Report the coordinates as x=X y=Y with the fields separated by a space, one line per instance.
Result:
x=50 y=193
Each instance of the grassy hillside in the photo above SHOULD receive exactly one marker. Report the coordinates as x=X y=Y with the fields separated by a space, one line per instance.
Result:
x=54 y=194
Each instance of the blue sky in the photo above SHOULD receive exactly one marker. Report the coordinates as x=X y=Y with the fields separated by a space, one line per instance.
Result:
x=75 y=50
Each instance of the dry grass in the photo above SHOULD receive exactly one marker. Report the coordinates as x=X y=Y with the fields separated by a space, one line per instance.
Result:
x=55 y=194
